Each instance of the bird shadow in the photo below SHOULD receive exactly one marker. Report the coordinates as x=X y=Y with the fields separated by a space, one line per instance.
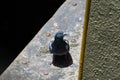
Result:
x=62 y=61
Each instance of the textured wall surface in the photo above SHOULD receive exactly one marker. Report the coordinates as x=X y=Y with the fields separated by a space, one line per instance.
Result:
x=102 y=54
x=34 y=62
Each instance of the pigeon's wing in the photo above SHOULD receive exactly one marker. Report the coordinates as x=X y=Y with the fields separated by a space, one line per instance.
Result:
x=50 y=47
x=67 y=46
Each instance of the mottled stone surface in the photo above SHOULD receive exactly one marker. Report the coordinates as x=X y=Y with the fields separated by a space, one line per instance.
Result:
x=34 y=62
x=102 y=54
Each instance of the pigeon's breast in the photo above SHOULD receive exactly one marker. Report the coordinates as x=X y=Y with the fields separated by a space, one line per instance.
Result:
x=59 y=49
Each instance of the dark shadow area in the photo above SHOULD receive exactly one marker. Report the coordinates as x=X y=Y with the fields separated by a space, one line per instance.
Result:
x=62 y=61
x=19 y=23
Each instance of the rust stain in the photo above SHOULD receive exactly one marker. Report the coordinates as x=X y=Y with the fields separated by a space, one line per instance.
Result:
x=74 y=4
x=24 y=62
x=47 y=34
x=73 y=41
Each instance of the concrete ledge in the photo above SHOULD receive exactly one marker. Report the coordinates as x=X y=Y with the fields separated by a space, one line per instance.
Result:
x=33 y=63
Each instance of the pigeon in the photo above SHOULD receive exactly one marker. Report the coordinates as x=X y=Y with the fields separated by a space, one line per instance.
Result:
x=59 y=47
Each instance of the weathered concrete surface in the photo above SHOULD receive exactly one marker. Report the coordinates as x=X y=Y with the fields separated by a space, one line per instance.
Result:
x=102 y=54
x=33 y=63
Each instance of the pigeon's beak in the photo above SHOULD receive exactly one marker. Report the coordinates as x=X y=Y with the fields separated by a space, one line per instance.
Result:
x=65 y=34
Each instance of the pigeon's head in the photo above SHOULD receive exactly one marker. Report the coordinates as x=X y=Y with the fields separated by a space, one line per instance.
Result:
x=59 y=36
